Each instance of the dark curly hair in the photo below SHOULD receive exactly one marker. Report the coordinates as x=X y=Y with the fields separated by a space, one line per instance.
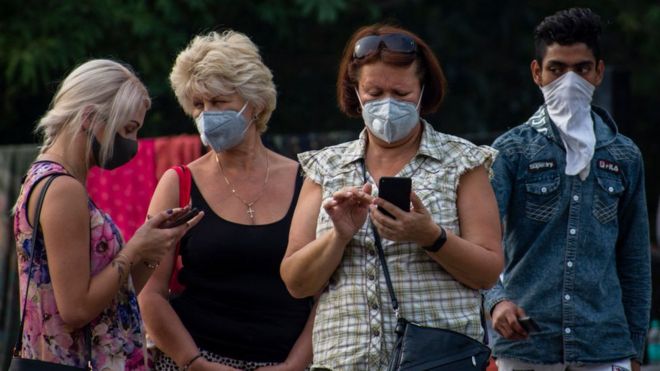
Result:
x=567 y=27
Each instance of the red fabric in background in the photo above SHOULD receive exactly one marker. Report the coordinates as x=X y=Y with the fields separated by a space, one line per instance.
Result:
x=176 y=150
x=125 y=192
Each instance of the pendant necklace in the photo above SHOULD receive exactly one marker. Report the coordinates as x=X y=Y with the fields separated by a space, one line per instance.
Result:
x=248 y=205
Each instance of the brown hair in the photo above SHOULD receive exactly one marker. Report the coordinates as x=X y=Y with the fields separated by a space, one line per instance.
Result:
x=428 y=69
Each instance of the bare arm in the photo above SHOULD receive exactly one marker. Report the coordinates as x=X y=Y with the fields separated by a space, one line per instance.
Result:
x=309 y=261
x=65 y=223
x=475 y=257
x=161 y=321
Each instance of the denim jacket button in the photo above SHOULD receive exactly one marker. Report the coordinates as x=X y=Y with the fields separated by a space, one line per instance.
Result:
x=611 y=189
x=567 y=330
x=572 y=231
x=567 y=297
x=544 y=189
x=569 y=264
x=576 y=198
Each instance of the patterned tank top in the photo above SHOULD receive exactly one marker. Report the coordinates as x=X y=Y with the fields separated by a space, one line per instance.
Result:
x=117 y=333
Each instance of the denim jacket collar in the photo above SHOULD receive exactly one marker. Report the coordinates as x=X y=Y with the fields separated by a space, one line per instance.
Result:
x=606 y=129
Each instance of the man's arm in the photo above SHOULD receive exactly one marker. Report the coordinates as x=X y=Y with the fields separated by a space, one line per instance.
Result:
x=504 y=176
x=633 y=258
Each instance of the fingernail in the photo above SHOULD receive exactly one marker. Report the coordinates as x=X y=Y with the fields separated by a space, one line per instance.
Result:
x=148 y=216
x=170 y=211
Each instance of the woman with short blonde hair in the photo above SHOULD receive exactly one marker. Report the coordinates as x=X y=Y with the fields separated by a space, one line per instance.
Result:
x=235 y=312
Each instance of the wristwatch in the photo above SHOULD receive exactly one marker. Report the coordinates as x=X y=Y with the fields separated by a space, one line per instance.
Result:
x=438 y=243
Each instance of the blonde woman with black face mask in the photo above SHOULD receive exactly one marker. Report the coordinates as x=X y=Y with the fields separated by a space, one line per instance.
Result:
x=80 y=278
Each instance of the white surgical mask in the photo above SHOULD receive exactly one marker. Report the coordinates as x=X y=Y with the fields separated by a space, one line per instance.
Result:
x=568 y=101
x=390 y=119
x=222 y=130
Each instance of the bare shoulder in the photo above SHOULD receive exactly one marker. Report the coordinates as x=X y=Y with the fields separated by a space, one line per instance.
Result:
x=65 y=203
x=283 y=163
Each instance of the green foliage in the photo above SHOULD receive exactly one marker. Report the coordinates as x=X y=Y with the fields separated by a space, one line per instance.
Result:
x=484 y=47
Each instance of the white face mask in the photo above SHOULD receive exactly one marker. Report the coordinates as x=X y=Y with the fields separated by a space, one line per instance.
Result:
x=568 y=101
x=390 y=119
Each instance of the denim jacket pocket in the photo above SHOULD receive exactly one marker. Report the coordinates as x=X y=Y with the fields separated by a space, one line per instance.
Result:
x=542 y=198
x=606 y=198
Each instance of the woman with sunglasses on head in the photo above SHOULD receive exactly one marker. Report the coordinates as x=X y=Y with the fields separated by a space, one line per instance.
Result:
x=235 y=312
x=439 y=254
x=79 y=279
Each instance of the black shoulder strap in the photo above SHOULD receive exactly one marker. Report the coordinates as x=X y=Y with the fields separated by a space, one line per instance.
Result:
x=35 y=231
x=388 y=280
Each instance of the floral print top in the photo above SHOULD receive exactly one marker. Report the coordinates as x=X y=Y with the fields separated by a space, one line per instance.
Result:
x=117 y=333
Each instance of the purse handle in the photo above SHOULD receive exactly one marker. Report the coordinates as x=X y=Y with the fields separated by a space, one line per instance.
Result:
x=388 y=280
x=35 y=229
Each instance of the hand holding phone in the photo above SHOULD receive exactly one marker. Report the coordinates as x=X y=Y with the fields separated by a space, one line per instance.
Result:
x=529 y=324
x=171 y=223
x=396 y=190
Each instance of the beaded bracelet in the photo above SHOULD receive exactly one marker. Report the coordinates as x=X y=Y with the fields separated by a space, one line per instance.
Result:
x=189 y=363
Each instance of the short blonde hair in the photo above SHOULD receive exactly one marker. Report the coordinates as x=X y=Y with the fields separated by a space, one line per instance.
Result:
x=222 y=64
x=104 y=91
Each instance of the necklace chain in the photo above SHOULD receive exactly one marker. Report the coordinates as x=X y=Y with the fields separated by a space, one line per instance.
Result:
x=248 y=205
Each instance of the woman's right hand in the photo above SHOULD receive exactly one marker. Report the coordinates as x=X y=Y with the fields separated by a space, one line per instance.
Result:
x=348 y=209
x=150 y=242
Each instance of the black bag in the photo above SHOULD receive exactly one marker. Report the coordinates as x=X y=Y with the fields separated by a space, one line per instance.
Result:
x=428 y=348
x=25 y=364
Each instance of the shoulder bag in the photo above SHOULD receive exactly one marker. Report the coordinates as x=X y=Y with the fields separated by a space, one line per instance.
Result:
x=429 y=348
x=25 y=364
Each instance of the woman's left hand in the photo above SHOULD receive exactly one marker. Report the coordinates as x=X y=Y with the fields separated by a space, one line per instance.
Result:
x=414 y=226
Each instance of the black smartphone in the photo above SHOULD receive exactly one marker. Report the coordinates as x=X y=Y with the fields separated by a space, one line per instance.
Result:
x=396 y=190
x=529 y=324
x=180 y=219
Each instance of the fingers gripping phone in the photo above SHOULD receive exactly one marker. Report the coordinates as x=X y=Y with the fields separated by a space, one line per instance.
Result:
x=529 y=324
x=396 y=190
x=171 y=223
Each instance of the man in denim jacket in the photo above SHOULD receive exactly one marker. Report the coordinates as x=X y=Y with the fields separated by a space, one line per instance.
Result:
x=570 y=190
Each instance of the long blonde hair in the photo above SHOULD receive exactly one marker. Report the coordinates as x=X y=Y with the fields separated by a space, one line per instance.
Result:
x=101 y=90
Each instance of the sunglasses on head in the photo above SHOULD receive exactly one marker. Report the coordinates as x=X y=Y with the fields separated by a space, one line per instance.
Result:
x=395 y=42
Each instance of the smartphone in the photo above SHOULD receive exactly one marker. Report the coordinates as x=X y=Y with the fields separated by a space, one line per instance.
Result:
x=396 y=190
x=529 y=324
x=180 y=219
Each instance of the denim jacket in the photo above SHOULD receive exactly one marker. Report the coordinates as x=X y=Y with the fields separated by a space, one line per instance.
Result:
x=577 y=252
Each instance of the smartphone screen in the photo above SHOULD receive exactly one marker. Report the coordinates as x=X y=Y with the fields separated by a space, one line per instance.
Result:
x=395 y=190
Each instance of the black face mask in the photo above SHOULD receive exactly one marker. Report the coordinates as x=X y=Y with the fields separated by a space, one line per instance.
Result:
x=123 y=151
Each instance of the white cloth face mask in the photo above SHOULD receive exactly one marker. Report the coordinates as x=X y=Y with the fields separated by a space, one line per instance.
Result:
x=568 y=102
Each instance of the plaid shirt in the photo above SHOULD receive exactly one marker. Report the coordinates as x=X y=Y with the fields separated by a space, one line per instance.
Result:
x=354 y=326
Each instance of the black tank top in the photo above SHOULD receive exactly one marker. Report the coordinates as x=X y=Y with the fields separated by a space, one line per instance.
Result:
x=235 y=303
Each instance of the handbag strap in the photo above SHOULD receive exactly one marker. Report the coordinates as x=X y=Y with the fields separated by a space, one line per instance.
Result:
x=33 y=243
x=388 y=279
x=185 y=185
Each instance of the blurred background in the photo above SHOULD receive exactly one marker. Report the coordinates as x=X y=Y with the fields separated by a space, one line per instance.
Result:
x=485 y=48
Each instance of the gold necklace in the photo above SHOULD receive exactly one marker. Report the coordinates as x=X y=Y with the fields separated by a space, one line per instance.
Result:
x=250 y=210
